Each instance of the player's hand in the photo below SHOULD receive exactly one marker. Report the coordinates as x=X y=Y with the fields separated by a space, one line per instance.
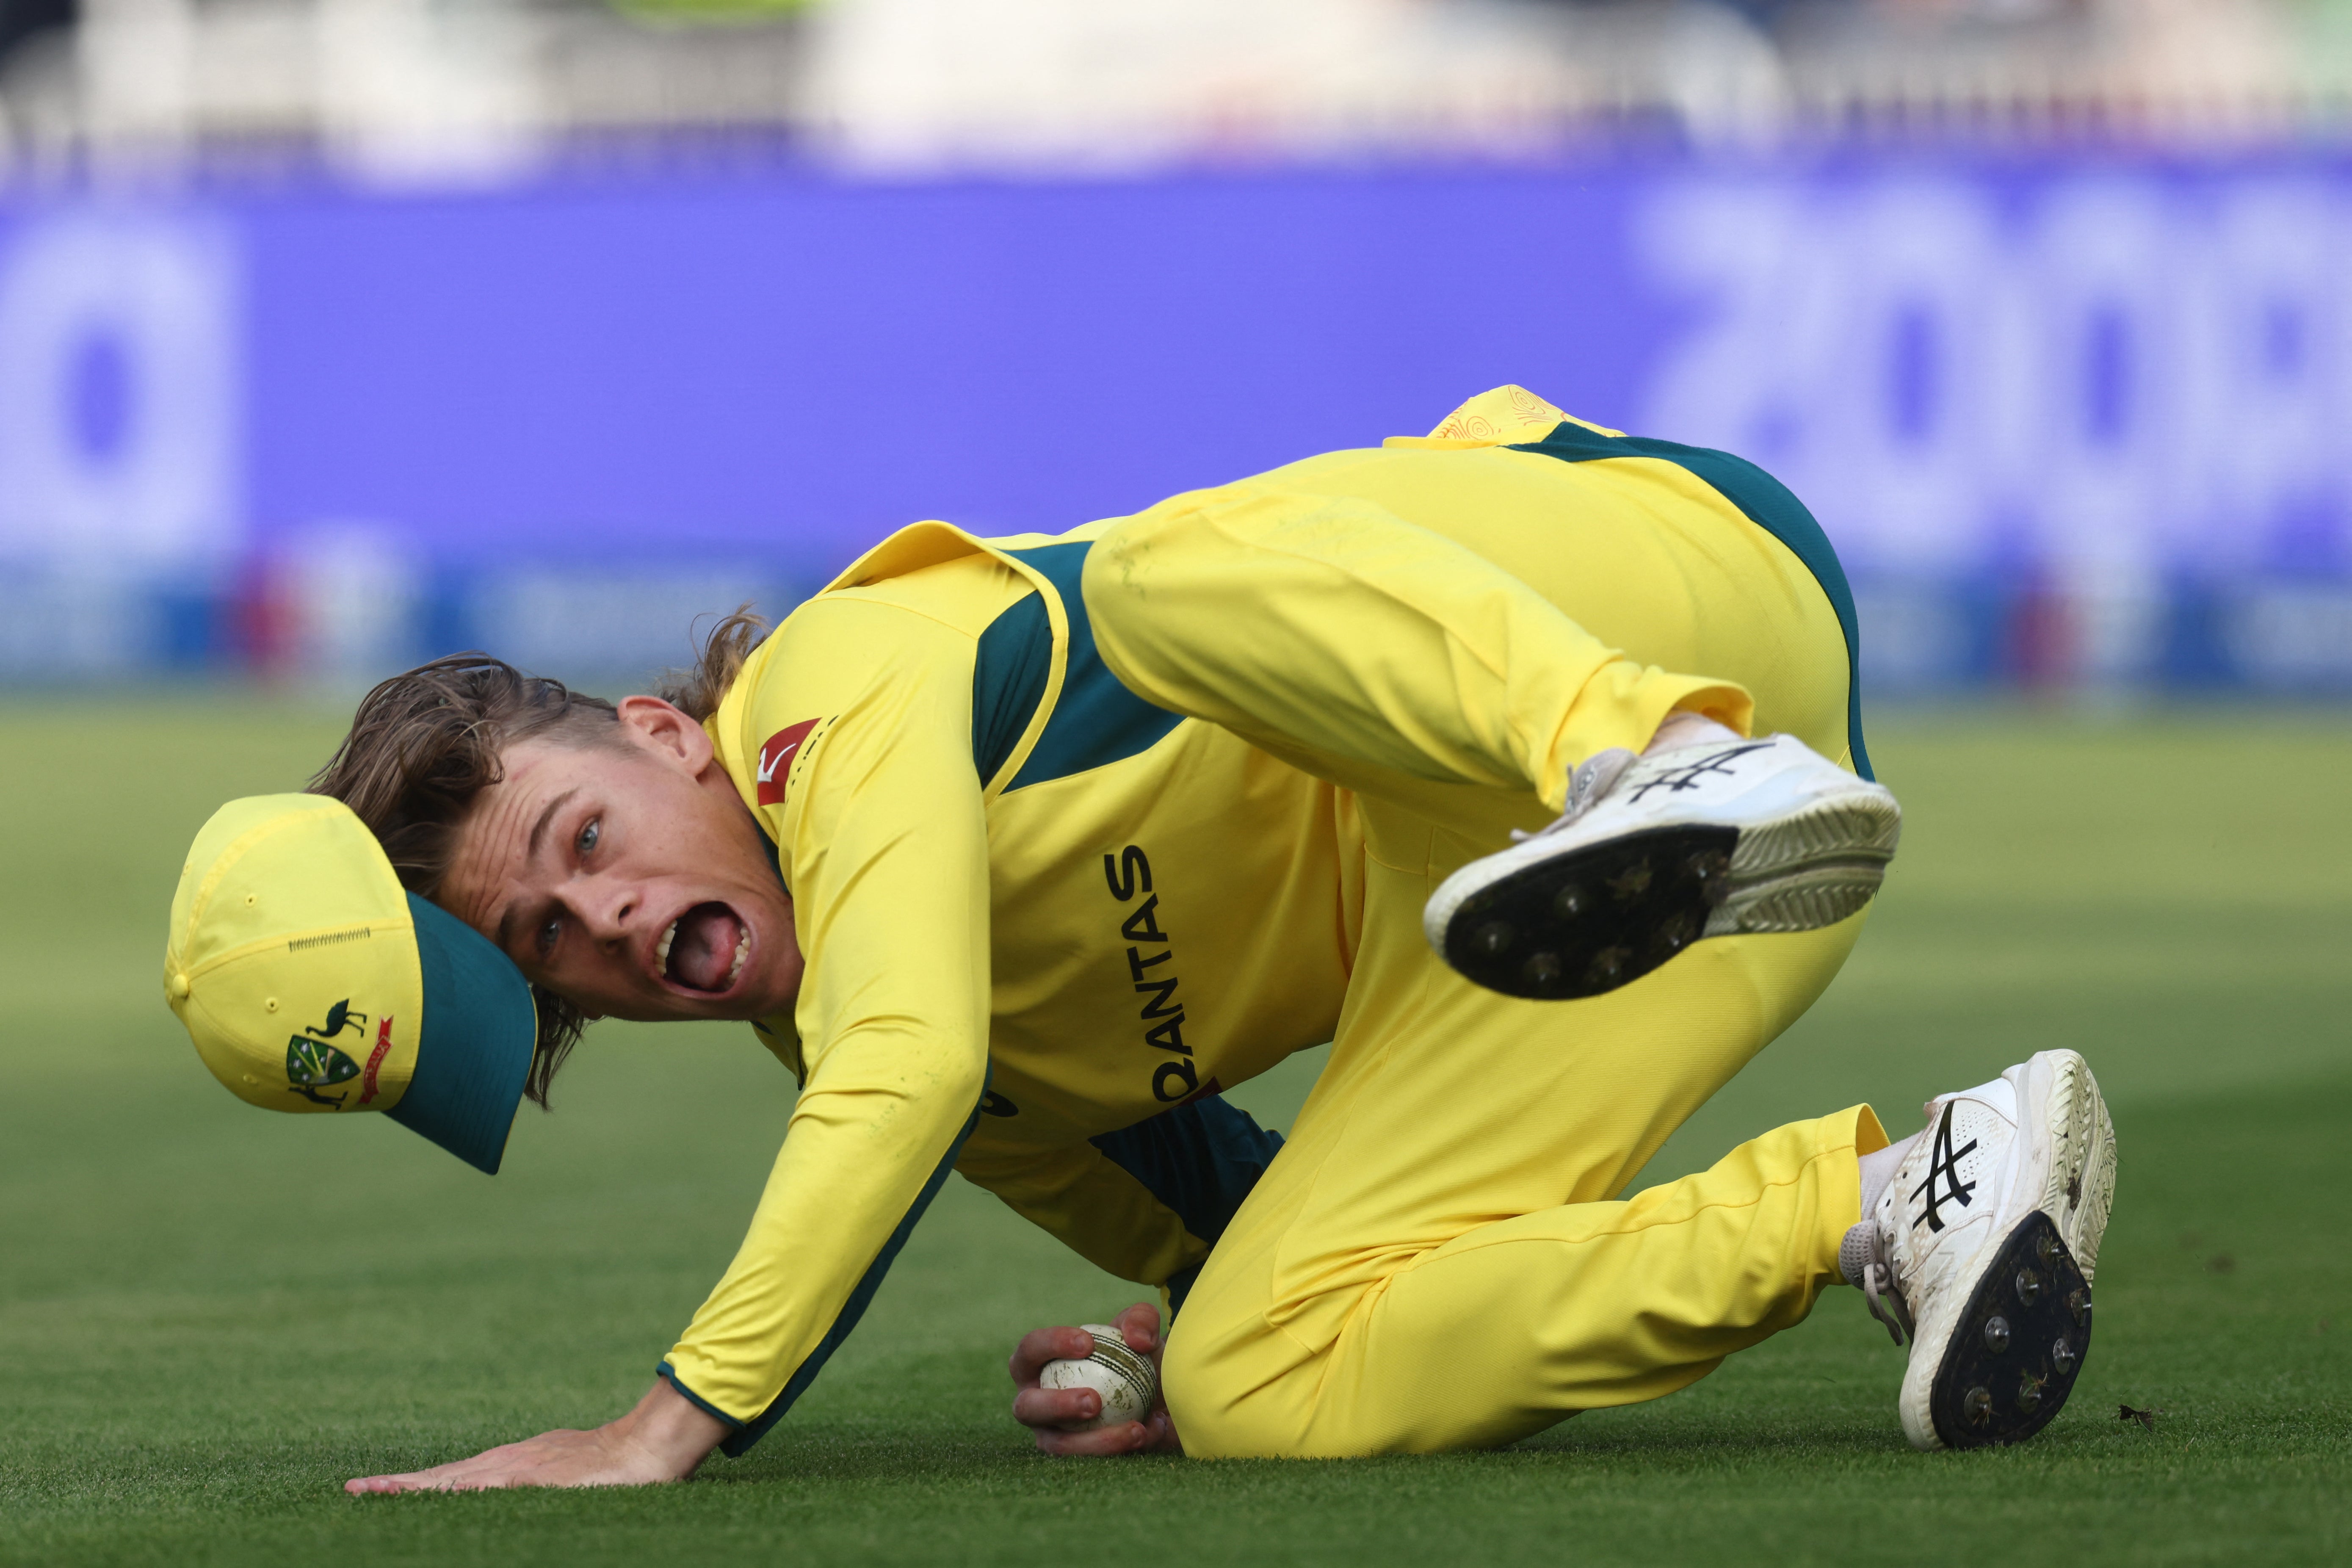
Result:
x=663 y=1439
x=1052 y=1412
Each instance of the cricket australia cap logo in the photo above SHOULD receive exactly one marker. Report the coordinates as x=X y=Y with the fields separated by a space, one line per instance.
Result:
x=314 y=1063
x=777 y=755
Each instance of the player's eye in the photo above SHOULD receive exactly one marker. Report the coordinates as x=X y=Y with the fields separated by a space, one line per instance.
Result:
x=586 y=843
x=547 y=935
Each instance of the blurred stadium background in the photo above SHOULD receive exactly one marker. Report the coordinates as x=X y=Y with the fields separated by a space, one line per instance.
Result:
x=337 y=333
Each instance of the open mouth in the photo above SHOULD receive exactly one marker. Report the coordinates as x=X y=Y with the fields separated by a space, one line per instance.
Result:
x=704 y=949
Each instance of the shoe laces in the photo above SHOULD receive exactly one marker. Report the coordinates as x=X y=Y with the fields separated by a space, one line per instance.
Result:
x=1885 y=1300
x=1593 y=779
x=1862 y=1260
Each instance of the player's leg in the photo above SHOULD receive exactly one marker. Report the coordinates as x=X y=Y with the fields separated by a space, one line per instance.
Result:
x=1370 y=650
x=1442 y=664
x=1437 y=1258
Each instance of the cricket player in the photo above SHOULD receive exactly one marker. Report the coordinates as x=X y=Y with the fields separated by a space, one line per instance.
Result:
x=1522 y=762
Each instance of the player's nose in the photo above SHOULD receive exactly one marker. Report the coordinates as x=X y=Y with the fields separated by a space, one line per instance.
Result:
x=610 y=910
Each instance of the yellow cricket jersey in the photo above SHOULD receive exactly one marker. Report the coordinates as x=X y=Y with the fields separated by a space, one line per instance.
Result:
x=1046 y=921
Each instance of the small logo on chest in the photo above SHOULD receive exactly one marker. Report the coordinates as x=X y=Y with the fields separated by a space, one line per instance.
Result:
x=777 y=754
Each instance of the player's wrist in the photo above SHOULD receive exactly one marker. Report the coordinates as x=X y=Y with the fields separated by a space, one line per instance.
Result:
x=674 y=1433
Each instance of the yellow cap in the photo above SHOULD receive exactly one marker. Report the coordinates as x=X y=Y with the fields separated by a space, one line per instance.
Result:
x=310 y=980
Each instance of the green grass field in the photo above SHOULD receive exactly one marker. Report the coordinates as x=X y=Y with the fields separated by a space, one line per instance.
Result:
x=210 y=1317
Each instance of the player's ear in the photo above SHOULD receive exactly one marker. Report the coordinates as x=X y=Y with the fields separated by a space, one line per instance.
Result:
x=667 y=732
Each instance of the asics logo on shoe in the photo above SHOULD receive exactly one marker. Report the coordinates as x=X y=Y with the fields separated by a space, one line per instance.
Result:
x=1944 y=1162
x=1686 y=775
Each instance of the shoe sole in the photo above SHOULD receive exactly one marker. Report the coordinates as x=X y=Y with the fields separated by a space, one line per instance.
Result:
x=1586 y=920
x=2017 y=1347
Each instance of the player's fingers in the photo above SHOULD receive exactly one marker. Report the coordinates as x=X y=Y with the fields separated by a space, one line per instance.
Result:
x=477 y=1474
x=507 y=1456
x=1056 y=1406
x=1039 y=1346
x=476 y=1479
x=438 y=1477
x=1130 y=1438
x=442 y=1478
x=1140 y=1326
x=1160 y=1434
x=422 y=1481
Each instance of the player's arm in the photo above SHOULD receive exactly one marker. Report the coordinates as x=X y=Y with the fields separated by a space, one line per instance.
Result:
x=885 y=848
x=883 y=843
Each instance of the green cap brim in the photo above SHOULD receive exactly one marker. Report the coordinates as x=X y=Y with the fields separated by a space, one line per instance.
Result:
x=474 y=1052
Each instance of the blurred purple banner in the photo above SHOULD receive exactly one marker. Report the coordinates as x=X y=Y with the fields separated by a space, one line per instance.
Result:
x=2077 y=420
x=789 y=366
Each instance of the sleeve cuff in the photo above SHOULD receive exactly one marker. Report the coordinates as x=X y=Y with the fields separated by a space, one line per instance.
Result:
x=666 y=1371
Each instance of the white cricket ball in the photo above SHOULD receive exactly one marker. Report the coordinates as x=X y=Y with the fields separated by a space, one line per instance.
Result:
x=1124 y=1379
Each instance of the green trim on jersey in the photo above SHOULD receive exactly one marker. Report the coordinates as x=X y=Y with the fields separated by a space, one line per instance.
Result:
x=1096 y=722
x=1201 y=1159
x=1008 y=681
x=1767 y=503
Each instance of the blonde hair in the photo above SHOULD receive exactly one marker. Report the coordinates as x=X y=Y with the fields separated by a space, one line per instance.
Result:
x=698 y=689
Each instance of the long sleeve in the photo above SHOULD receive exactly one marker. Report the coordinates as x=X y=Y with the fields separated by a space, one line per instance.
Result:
x=854 y=732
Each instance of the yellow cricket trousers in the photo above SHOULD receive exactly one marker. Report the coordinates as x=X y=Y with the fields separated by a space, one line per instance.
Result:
x=1439 y=1258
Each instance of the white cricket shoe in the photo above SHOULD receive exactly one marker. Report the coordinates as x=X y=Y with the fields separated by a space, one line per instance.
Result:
x=1655 y=853
x=1983 y=1244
